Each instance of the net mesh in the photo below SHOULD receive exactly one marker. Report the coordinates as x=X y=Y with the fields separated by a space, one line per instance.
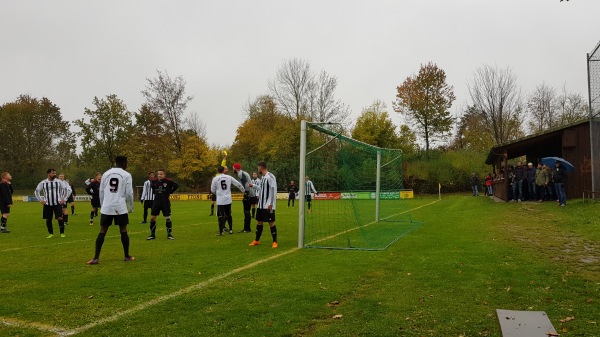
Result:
x=594 y=88
x=344 y=214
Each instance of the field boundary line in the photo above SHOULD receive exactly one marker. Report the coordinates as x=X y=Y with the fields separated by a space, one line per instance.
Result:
x=13 y=322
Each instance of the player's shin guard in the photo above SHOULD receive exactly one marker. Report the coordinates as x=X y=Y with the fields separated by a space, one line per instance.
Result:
x=169 y=226
x=153 y=228
x=125 y=242
x=274 y=233
x=49 y=226
x=99 y=243
x=259 y=230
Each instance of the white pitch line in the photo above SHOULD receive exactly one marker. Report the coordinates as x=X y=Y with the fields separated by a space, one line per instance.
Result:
x=143 y=306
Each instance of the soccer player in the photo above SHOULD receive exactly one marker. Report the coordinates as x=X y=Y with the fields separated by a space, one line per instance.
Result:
x=55 y=192
x=267 y=198
x=116 y=198
x=6 y=201
x=213 y=197
x=292 y=190
x=255 y=185
x=70 y=200
x=162 y=187
x=309 y=187
x=147 y=197
x=250 y=192
x=221 y=187
x=93 y=189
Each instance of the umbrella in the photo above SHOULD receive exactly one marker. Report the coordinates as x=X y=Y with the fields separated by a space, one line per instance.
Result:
x=550 y=161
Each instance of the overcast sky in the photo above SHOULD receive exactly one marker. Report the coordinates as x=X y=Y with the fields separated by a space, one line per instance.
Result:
x=227 y=51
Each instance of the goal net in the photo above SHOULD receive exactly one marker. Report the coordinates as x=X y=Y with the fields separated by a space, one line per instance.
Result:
x=359 y=202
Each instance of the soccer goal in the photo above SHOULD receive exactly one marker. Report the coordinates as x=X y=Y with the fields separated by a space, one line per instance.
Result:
x=358 y=204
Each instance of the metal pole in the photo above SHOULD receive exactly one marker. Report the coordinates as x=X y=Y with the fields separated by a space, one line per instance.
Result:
x=302 y=182
x=591 y=125
x=378 y=186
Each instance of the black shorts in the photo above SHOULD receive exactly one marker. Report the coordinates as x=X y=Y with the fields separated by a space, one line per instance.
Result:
x=292 y=196
x=253 y=200
x=163 y=206
x=49 y=210
x=70 y=199
x=308 y=198
x=224 y=210
x=213 y=197
x=119 y=219
x=95 y=202
x=148 y=203
x=263 y=215
x=4 y=209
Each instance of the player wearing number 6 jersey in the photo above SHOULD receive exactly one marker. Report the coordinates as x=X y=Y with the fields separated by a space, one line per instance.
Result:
x=221 y=187
x=116 y=200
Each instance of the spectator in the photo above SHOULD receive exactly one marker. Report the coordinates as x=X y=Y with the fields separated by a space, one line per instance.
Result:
x=489 y=181
x=531 y=184
x=519 y=175
x=474 y=184
x=559 y=179
x=541 y=180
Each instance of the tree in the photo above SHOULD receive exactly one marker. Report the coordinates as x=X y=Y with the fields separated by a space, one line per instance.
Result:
x=300 y=94
x=194 y=165
x=291 y=88
x=194 y=124
x=470 y=133
x=103 y=137
x=323 y=105
x=426 y=99
x=541 y=106
x=495 y=95
x=149 y=146
x=571 y=107
x=34 y=137
x=375 y=127
x=168 y=96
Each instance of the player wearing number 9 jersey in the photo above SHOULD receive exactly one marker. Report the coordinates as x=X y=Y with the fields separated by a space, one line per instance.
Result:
x=116 y=200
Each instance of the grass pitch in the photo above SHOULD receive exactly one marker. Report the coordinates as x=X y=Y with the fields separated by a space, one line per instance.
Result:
x=446 y=278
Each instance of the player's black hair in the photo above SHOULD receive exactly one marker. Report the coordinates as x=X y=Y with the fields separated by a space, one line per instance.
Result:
x=221 y=169
x=262 y=164
x=50 y=170
x=150 y=172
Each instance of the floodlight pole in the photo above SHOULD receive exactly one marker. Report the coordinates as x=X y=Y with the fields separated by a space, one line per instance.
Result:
x=378 y=186
x=302 y=182
x=588 y=59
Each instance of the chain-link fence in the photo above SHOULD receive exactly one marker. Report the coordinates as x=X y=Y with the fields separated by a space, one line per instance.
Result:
x=593 y=63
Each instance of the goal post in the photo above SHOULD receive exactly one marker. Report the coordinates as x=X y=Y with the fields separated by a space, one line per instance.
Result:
x=359 y=202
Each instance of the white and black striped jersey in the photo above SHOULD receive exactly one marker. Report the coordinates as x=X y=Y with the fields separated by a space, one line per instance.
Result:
x=147 y=193
x=255 y=186
x=309 y=187
x=221 y=186
x=116 y=192
x=54 y=191
x=268 y=191
x=245 y=179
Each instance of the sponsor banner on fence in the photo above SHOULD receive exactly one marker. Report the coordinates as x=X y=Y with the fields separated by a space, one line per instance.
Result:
x=328 y=196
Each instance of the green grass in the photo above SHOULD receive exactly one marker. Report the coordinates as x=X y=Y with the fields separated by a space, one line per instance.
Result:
x=446 y=278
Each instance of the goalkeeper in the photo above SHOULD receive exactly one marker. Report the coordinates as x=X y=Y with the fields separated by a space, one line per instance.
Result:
x=307 y=192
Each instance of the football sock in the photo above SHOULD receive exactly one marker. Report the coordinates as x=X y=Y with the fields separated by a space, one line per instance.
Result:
x=253 y=212
x=152 y=228
x=212 y=209
x=221 y=221
x=91 y=215
x=99 y=243
x=61 y=226
x=230 y=222
x=72 y=210
x=259 y=229
x=49 y=226
x=66 y=218
x=169 y=225
x=274 y=233
x=145 y=214
x=96 y=212
x=3 y=222
x=124 y=241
